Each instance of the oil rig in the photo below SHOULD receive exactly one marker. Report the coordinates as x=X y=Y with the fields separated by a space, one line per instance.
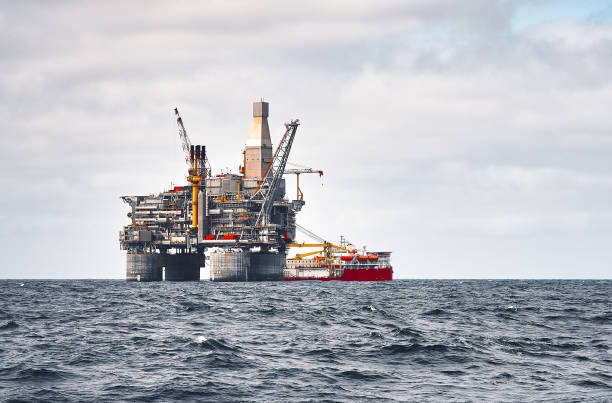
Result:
x=244 y=221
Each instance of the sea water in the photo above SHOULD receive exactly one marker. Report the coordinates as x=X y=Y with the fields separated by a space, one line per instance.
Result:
x=94 y=340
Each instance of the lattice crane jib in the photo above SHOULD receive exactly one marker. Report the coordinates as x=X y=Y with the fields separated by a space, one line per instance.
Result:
x=185 y=143
x=276 y=167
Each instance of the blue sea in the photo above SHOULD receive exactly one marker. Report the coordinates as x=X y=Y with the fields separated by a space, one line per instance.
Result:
x=406 y=340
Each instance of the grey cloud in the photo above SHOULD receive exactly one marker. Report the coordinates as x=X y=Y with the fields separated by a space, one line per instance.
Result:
x=441 y=130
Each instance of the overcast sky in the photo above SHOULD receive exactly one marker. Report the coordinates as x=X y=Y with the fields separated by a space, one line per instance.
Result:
x=471 y=138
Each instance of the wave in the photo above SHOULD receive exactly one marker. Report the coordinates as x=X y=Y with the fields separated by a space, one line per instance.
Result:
x=362 y=375
x=414 y=348
x=213 y=344
x=406 y=331
x=605 y=318
x=593 y=384
x=435 y=312
x=41 y=374
x=11 y=324
x=194 y=306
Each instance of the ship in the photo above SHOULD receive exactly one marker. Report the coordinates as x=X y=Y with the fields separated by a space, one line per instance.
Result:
x=342 y=263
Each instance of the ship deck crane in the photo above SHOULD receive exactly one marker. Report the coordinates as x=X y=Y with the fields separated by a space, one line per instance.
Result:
x=318 y=245
x=327 y=248
x=297 y=172
x=327 y=251
x=303 y=255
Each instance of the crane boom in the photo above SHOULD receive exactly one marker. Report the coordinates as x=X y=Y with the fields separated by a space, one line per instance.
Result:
x=274 y=171
x=185 y=143
x=304 y=171
x=303 y=255
x=318 y=245
x=297 y=172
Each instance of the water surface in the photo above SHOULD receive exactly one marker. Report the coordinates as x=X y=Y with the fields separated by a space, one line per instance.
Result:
x=92 y=340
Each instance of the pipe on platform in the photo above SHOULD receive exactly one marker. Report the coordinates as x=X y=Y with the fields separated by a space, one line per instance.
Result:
x=194 y=197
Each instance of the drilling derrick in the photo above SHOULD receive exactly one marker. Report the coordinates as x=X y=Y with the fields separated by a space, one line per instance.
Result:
x=254 y=246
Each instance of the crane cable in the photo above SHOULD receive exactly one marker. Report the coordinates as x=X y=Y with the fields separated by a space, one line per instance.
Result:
x=310 y=233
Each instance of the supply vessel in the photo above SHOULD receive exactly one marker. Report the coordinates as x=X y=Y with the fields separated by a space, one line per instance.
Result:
x=370 y=267
x=242 y=224
x=337 y=262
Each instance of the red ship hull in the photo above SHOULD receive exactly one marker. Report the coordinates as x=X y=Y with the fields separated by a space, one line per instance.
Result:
x=356 y=274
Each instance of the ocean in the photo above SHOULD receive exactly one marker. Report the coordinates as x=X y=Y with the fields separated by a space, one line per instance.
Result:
x=405 y=340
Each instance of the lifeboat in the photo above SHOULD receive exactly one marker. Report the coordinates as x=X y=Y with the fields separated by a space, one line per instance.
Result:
x=373 y=257
x=349 y=258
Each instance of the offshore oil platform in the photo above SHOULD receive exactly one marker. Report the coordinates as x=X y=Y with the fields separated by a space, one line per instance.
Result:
x=242 y=221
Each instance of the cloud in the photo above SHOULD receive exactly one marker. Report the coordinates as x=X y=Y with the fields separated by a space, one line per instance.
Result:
x=436 y=125
x=523 y=225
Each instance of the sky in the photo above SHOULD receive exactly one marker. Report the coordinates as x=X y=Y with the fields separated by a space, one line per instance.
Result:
x=473 y=139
